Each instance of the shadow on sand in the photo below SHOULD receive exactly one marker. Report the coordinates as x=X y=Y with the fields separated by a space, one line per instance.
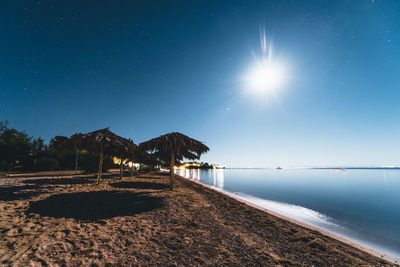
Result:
x=50 y=181
x=139 y=185
x=145 y=177
x=10 y=193
x=92 y=206
x=162 y=173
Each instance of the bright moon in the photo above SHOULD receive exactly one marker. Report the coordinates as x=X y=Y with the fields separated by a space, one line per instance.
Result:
x=267 y=76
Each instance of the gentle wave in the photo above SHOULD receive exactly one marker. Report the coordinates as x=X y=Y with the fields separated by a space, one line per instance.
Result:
x=348 y=216
x=293 y=211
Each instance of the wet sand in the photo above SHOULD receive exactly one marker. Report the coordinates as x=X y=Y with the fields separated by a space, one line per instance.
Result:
x=139 y=221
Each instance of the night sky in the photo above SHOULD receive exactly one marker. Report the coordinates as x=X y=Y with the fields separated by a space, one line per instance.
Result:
x=145 y=68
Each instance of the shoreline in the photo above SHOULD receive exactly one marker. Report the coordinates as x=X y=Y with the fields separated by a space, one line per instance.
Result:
x=372 y=251
x=140 y=221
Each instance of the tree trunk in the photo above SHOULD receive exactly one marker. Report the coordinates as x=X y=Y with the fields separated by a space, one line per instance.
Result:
x=100 y=166
x=121 y=166
x=171 y=169
x=133 y=166
x=76 y=160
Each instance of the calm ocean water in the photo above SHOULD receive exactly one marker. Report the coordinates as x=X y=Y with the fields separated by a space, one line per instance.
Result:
x=361 y=204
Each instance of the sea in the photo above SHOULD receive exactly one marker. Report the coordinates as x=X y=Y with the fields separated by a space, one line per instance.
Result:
x=361 y=204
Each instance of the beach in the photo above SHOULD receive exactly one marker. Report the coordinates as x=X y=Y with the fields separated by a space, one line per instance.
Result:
x=68 y=220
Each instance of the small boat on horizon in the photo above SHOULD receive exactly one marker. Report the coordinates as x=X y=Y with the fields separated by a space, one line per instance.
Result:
x=338 y=170
x=279 y=168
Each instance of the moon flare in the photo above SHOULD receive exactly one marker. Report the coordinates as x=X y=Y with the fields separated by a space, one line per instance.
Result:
x=266 y=76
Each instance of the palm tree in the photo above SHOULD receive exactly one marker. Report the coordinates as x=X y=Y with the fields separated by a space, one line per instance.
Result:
x=174 y=146
x=62 y=144
x=105 y=143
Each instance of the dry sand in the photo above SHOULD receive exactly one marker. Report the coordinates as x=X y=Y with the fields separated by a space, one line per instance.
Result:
x=139 y=221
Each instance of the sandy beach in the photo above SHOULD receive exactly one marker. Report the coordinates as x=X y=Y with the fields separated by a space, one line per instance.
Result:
x=71 y=221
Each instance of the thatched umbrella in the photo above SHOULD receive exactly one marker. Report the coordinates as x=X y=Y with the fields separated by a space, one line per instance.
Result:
x=174 y=146
x=105 y=142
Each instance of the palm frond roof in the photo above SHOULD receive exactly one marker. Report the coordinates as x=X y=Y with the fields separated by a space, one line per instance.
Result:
x=183 y=146
x=104 y=138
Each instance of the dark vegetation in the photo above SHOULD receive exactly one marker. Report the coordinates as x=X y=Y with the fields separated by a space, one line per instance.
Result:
x=20 y=152
x=200 y=165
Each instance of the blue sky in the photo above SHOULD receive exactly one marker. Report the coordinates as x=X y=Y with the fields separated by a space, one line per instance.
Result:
x=145 y=69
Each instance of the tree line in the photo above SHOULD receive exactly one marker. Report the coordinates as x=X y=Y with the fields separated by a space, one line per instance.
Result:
x=92 y=151
x=21 y=152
